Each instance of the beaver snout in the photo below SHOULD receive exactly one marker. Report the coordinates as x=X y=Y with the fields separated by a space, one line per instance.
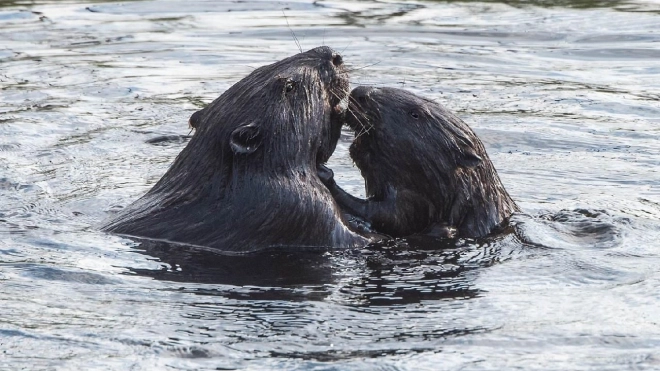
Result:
x=361 y=94
x=327 y=54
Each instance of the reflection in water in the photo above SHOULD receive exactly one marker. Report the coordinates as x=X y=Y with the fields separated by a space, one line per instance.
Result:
x=405 y=271
x=269 y=268
x=415 y=269
x=331 y=301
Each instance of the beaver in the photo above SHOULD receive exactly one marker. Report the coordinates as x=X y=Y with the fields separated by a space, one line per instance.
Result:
x=247 y=179
x=425 y=170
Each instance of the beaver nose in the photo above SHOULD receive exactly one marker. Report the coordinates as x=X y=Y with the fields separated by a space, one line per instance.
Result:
x=337 y=60
x=361 y=93
x=327 y=54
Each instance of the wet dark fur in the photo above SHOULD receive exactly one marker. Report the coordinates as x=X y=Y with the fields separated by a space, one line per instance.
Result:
x=425 y=170
x=247 y=179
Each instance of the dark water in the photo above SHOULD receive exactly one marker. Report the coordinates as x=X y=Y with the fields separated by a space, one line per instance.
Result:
x=565 y=95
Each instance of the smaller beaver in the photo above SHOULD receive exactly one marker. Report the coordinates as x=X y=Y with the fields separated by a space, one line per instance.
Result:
x=425 y=170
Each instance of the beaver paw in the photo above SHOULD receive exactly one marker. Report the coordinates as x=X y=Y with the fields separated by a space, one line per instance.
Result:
x=326 y=175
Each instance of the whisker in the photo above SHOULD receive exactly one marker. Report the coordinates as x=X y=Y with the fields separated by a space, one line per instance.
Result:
x=359 y=68
x=364 y=130
x=365 y=125
x=292 y=33
x=363 y=119
x=355 y=104
x=346 y=47
x=368 y=82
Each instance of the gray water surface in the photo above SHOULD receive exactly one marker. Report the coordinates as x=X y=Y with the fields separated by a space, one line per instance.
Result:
x=565 y=95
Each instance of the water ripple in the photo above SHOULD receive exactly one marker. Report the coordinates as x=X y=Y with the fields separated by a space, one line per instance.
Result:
x=94 y=108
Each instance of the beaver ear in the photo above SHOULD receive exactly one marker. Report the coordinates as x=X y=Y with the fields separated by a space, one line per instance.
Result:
x=195 y=119
x=245 y=139
x=468 y=158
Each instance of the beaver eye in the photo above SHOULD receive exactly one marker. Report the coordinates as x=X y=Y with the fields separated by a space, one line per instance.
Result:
x=289 y=86
x=414 y=114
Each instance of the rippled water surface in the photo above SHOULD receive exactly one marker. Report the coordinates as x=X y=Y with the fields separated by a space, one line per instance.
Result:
x=94 y=104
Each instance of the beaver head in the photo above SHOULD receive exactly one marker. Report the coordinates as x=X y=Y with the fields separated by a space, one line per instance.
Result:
x=290 y=108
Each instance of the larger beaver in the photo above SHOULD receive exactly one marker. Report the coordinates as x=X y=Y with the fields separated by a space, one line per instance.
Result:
x=247 y=179
x=425 y=170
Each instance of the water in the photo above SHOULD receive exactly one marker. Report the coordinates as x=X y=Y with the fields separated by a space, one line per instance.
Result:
x=563 y=93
